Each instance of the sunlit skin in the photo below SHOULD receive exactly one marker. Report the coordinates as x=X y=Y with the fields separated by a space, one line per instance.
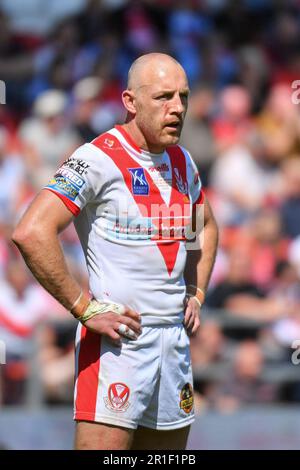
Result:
x=156 y=100
x=156 y=103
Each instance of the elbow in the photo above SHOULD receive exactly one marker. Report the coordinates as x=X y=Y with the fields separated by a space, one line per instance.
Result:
x=23 y=236
x=19 y=236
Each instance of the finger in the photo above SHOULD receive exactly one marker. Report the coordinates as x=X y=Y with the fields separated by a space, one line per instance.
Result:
x=191 y=321
x=132 y=314
x=114 y=337
x=194 y=320
x=126 y=332
x=187 y=315
x=132 y=324
x=196 y=326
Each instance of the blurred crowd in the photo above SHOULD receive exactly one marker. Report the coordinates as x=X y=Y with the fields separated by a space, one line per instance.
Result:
x=64 y=65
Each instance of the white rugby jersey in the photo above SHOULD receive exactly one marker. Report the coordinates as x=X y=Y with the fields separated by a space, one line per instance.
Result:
x=132 y=212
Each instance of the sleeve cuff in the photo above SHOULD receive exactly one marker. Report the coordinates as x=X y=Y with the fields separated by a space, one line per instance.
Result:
x=69 y=204
x=200 y=199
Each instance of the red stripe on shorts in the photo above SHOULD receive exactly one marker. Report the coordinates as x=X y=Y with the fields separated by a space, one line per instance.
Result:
x=88 y=372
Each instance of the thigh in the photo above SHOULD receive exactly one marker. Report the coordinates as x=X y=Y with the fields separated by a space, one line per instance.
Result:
x=114 y=385
x=152 y=439
x=171 y=406
x=98 y=436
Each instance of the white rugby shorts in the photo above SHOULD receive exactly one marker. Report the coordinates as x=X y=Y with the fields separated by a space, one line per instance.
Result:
x=145 y=382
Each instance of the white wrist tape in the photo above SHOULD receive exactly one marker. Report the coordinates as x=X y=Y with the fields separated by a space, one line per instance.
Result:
x=98 y=308
x=76 y=301
x=190 y=296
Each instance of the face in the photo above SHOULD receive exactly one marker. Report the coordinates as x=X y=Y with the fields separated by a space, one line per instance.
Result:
x=160 y=106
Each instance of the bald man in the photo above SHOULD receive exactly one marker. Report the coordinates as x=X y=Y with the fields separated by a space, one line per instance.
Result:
x=134 y=196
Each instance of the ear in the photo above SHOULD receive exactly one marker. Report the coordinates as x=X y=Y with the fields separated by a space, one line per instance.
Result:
x=128 y=99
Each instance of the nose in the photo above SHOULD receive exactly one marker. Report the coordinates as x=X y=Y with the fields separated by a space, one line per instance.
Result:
x=178 y=105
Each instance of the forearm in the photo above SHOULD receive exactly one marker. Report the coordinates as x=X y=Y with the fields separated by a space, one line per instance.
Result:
x=44 y=257
x=199 y=263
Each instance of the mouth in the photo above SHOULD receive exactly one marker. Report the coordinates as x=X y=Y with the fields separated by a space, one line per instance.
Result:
x=174 y=126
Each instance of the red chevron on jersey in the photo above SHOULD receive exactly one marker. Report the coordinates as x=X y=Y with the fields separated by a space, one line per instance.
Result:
x=153 y=204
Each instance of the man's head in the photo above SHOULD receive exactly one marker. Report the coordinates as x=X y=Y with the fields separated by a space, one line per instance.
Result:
x=156 y=100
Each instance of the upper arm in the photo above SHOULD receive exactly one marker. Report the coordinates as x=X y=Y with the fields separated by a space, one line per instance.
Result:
x=208 y=213
x=46 y=214
x=80 y=178
x=194 y=180
x=77 y=182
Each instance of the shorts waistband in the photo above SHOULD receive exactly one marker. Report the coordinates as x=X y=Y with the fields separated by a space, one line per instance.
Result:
x=163 y=321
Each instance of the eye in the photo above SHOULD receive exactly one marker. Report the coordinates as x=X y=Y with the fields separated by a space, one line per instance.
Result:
x=184 y=96
x=164 y=97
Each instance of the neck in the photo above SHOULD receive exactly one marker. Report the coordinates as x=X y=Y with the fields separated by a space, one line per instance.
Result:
x=138 y=137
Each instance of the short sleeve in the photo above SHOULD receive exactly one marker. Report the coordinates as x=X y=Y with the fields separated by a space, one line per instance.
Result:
x=194 y=181
x=79 y=179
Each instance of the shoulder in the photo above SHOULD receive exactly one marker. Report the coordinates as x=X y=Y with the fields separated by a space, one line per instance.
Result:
x=180 y=153
x=187 y=154
x=190 y=164
x=84 y=157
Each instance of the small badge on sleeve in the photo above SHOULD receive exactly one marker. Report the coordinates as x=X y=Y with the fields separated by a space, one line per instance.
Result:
x=67 y=183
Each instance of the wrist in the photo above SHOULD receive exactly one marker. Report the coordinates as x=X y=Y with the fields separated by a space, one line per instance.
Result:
x=96 y=307
x=80 y=306
x=190 y=296
x=196 y=292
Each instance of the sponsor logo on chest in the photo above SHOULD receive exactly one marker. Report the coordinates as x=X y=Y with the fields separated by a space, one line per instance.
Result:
x=139 y=183
x=160 y=168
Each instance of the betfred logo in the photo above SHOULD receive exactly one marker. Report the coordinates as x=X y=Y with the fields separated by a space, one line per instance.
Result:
x=69 y=175
x=118 y=395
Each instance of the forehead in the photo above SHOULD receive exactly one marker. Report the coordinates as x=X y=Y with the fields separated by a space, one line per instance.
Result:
x=171 y=77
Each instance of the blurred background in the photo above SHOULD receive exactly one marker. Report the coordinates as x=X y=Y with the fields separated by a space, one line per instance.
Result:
x=64 y=64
